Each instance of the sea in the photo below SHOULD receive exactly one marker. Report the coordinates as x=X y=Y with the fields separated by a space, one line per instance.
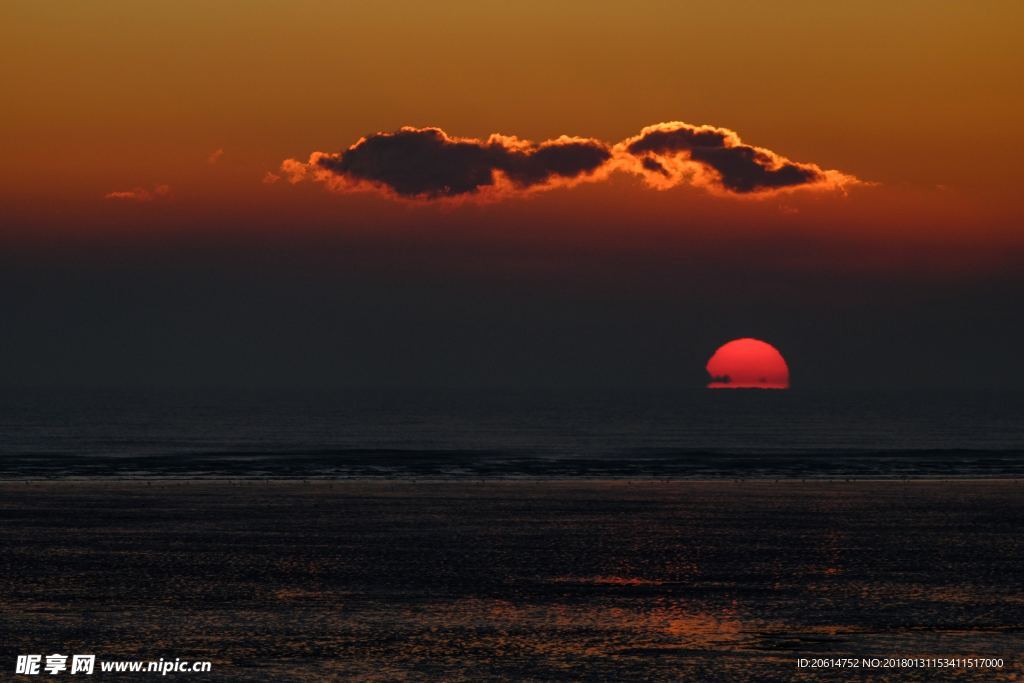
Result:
x=517 y=536
x=452 y=434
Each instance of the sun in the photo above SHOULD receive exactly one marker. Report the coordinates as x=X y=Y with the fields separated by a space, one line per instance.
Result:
x=748 y=364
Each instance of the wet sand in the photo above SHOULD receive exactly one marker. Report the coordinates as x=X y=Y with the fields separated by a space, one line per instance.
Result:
x=555 y=580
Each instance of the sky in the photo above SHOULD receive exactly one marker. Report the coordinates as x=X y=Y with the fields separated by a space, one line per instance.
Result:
x=353 y=194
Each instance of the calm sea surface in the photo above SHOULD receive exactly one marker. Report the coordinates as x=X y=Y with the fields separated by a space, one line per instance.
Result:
x=603 y=434
x=517 y=581
x=501 y=536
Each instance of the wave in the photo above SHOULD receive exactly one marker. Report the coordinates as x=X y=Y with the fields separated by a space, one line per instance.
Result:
x=657 y=463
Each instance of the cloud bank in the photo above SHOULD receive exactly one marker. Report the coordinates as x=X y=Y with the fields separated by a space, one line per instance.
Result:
x=427 y=164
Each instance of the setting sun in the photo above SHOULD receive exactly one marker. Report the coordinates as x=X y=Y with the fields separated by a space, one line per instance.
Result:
x=748 y=364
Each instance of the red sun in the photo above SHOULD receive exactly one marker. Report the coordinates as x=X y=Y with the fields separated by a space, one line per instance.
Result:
x=748 y=364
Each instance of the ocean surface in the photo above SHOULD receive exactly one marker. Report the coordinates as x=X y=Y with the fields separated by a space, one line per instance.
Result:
x=613 y=536
x=453 y=434
x=519 y=580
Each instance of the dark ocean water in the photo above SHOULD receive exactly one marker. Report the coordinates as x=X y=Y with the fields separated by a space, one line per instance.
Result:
x=704 y=433
x=556 y=549
x=518 y=580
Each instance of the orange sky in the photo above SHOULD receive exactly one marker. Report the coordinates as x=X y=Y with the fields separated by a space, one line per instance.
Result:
x=140 y=244
x=920 y=98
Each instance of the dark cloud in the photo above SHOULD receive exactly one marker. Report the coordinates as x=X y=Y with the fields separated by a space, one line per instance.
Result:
x=737 y=167
x=652 y=165
x=664 y=138
x=427 y=163
x=744 y=169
